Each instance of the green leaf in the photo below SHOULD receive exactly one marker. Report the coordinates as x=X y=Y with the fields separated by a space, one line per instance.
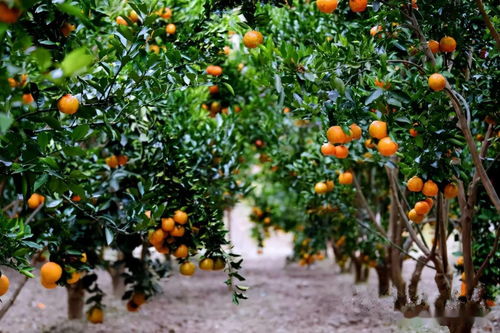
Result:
x=76 y=61
x=5 y=122
x=40 y=181
x=73 y=151
x=109 y=236
x=42 y=57
x=228 y=86
x=76 y=12
x=376 y=94
x=80 y=132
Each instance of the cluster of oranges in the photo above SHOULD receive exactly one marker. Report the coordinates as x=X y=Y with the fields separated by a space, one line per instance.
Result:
x=328 y=6
x=386 y=146
x=114 y=161
x=35 y=200
x=261 y=215
x=336 y=135
x=27 y=98
x=429 y=189
x=446 y=44
x=164 y=238
x=345 y=178
x=309 y=259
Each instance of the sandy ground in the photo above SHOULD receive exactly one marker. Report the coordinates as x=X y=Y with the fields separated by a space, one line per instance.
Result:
x=281 y=299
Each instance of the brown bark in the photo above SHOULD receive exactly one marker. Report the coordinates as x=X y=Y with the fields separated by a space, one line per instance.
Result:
x=384 y=282
x=415 y=279
x=358 y=270
x=117 y=280
x=75 y=300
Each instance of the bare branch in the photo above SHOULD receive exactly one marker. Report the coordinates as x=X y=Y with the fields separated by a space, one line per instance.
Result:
x=367 y=207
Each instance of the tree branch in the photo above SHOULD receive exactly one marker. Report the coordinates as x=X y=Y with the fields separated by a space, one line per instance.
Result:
x=487 y=20
x=368 y=208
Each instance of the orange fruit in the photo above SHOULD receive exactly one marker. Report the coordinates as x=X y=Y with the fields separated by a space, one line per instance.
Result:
x=219 y=264
x=68 y=104
x=139 y=299
x=213 y=89
x=167 y=224
x=422 y=208
x=165 y=13
x=460 y=261
x=375 y=30
x=414 y=4
x=12 y=82
x=76 y=198
x=387 y=147
x=122 y=159
x=267 y=220
x=35 y=200
x=121 y=21
x=133 y=16
x=341 y=151
x=327 y=6
x=450 y=191
x=154 y=48
x=330 y=185
x=162 y=249
x=433 y=46
x=378 y=129
x=413 y=132
x=67 y=28
x=490 y=303
x=50 y=272
x=356 y=131
x=181 y=251
x=75 y=277
x=207 y=264
x=252 y=39
x=157 y=237
x=320 y=188
x=463 y=289
x=429 y=201
x=358 y=5
x=328 y=149
x=83 y=258
x=382 y=84
x=28 y=99
x=95 y=315
x=187 y=268
x=369 y=143
x=430 y=189
x=447 y=44
x=8 y=15
x=415 y=184
x=4 y=284
x=346 y=178
x=48 y=285
x=180 y=217
x=112 y=161
x=437 y=82
x=214 y=70
x=415 y=217
x=171 y=29
x=132 y=307
x=335 y=134
x=178 y=231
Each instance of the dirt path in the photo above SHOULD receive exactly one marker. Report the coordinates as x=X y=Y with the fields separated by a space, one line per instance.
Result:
x=281 y=299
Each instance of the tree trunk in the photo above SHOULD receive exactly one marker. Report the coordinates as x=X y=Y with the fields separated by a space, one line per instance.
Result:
x=117 y=280
x=75 y=300
x=415 y=279
x=396 y=262
x=365 y=274
x=358 y=270
x=383 y=279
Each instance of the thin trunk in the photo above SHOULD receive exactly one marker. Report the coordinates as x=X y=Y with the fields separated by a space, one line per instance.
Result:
x=357 y=270
x=396 y=274
x=117 y=280
x=383 y=279
x=415 y=279
x=75 y=300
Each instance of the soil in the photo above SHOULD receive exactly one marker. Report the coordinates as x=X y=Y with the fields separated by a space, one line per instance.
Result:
x=282 y=298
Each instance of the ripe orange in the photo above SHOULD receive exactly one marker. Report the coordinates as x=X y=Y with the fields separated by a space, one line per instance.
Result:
x=375 y=30
x=187 y=268
x=181 y=251
x=157 y=237
x=4 y=284
x=327 y=6
x=122 y=160
x=328 y=149
x=35 y=200
x=12 y=82
x=133 y=16
x=378 y=129
x=180 y=217
x=369 y=143
x=68 y=104
x=450 y=191
x=67 y=28
x=50 y=272
x=139 y=299
x=429 y=201
x=330 y=185
x=335 y=134
x=433 y=46
x=430 y=189
x=165 y=13
x=167 y=224
x=48 y=285
x=267 y=220
x=214 y=70
x=83 y=259
x=320 y=188
x=387 y=147
x=112 y=161
x=490 y=303
x=382 y=84
x=213 y=89
x=154 y=48
x=171 y=29
x=422 y=208
x=178 y=231
x=341 y=151
x=460 y=261
x=413 y=132
x=415 y=184
x=437 y=82
x=356 y=131
x=219 y=264
x=447 y=44
x=415 y=217
x=161 y=248
x=252 y=39
x=95 y=315
x=8 y=15
x=121 y=21
x=132 y=307
x=358 y=5
x=75 y=277
x=345 y=178
x=207 y=264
